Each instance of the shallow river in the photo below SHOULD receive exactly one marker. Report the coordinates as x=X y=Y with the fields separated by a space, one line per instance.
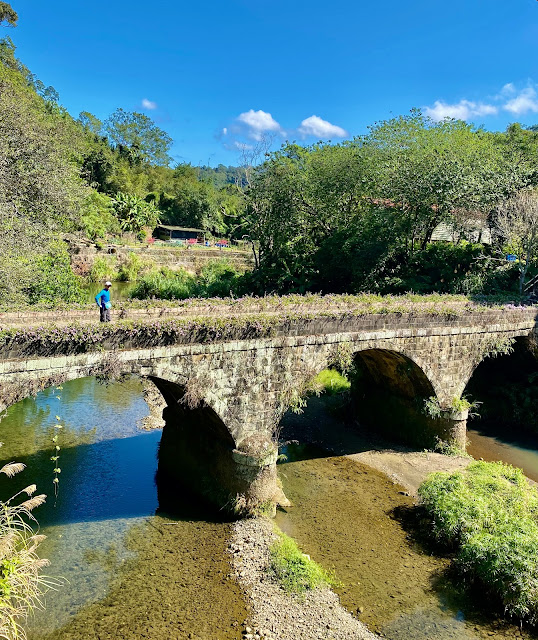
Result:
x=354 y=520
x=130 y=570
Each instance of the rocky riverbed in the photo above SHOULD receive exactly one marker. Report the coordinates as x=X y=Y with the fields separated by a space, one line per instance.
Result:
x=275 y=614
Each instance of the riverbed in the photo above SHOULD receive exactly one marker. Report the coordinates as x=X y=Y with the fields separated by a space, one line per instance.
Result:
x=359 y=522
x=138 y=561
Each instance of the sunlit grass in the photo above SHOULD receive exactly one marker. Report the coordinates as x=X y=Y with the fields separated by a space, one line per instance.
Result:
x=294 y=570
x=489 y=514
x=331 y=382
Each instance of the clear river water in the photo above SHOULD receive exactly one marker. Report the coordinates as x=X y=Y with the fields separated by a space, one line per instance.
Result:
x=131 y=569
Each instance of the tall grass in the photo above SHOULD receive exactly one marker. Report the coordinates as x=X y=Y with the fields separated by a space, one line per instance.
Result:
x=331 y=382
x=21 y=583
x=489 y=515
x=164 y=285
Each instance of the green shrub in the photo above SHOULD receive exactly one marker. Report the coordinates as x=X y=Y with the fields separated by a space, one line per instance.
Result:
x=294 y=570
x=53 y=279
x=331 y=382
x=98 y=219
x=131 y=268
x=489 y=515
x=216 y=279
x=170 y=285
x=104 y=268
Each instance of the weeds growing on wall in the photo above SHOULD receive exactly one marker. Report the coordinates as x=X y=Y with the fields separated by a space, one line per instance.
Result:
x=433 y=409
x=331 y=382
x=489 y=515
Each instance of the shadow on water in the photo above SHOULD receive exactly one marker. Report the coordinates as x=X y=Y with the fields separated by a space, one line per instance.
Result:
x=328 y=427
x=99 y=481
x=138 y=558
x=515 y=437
x=354 y=520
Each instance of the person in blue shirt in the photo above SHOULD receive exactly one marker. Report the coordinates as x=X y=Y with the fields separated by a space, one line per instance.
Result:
x=103 y=302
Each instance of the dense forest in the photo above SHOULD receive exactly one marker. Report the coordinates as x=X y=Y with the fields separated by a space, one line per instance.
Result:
x=359 y=215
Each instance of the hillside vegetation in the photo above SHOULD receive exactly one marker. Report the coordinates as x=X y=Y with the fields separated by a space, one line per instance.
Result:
x=349 y=217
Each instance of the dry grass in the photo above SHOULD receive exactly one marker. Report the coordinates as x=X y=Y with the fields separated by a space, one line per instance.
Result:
x=21 y=581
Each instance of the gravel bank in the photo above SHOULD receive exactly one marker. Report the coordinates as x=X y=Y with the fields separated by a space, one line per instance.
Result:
x=276 y=615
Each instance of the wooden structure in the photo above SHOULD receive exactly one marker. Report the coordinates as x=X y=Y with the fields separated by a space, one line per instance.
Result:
x=170 y=232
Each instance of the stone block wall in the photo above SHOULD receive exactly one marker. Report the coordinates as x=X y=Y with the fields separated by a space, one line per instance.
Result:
x=248 y=383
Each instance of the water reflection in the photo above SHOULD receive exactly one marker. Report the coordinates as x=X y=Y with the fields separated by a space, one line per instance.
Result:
x=492 y=442
x=103 y=537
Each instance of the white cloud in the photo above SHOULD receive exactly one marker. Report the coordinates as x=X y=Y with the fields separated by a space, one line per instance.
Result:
x=316 y=126
x=242 y=146
x=258 y=122
x=237 y=145
x=225 y=131
x=508 y=89
x=148 y=104
x=525 y=101
x=462 y=110
x=516 y=101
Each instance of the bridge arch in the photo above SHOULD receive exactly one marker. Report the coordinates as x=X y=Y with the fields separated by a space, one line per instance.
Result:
x=242 y=376
x=506 y=387
x=198 y=450
x=390 y=392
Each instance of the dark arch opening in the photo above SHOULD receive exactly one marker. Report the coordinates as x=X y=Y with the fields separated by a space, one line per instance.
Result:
x=196 y=449
x=507 y=388
x=389 y=391
x=382 y=401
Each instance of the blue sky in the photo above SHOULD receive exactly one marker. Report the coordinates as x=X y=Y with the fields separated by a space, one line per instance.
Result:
x=221 y=74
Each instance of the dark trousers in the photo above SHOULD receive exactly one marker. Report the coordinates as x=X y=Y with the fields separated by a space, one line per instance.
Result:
x=104 y=314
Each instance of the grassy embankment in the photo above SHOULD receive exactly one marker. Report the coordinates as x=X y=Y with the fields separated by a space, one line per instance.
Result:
x=488 y=514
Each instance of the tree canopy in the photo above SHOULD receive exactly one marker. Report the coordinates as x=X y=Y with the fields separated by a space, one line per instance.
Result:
x=138 y=137
x=354 y=215
x=8 y=16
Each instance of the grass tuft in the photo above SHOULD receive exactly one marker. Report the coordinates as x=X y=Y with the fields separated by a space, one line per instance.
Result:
x=489 y=515
x=21 y=581
x=294 y=570
x=331 y=382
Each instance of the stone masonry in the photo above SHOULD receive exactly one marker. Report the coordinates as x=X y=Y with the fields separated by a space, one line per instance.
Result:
x=246 y=385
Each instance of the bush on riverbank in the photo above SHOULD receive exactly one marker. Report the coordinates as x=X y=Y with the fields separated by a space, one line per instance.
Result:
x=294 y=570
x=216 y=279
x=489 y=515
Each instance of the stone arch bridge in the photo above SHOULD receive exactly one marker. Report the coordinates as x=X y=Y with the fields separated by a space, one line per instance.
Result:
x=228 y=377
